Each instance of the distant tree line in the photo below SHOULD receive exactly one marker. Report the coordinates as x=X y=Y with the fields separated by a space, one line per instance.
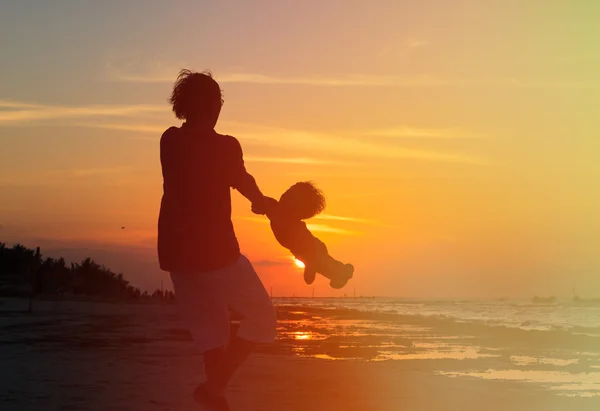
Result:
x=25 y=273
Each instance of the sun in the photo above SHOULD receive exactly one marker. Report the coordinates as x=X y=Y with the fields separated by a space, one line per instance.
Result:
x=299 y=263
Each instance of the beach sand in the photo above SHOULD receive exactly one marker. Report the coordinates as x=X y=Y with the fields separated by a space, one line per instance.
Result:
x=95 y=356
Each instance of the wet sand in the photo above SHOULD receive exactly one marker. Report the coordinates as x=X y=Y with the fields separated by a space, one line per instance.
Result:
x=95 y=356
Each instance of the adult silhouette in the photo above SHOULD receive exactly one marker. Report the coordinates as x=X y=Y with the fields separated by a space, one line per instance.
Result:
x=196 y=240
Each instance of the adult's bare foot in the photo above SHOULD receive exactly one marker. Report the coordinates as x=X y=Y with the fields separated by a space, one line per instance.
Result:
x=210 y=400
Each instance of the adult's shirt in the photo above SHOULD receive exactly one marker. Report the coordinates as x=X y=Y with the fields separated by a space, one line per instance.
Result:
x=195 y=232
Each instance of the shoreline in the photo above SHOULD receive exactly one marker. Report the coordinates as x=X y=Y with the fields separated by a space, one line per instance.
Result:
x=496 y=335
x=123 y=356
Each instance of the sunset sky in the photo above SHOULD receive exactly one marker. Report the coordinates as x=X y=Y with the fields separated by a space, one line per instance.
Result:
x=457 y=142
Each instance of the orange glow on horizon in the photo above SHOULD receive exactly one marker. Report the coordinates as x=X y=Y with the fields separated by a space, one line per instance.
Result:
x=436 y=183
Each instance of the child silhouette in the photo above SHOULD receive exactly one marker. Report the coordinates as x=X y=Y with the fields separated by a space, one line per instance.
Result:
x=300 y=202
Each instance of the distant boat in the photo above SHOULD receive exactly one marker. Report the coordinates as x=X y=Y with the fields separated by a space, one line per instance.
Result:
x=584 y=301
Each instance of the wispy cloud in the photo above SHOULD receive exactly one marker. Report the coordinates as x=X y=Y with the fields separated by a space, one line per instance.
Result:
x=10 y=104
x=343 y=145
x=324 y=228
x=340 y=144
x=392 y=132
x=421 y=132
x=18 y=112
x=413 y=43
x=342 y=218
x=369 y=194
x=361 y=80
x=115 y=175
x=296 y=160
x=315 y=228
x=89 y=172
x=272 y=263
x=355 y=80
x=156 y=130
x=351 y=80
x=401 y=49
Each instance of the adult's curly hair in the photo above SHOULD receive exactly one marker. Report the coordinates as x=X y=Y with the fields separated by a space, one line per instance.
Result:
x=194 y=94
x=303 y=200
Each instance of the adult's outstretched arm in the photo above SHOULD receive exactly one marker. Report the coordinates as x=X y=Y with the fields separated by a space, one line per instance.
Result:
x=244 y=182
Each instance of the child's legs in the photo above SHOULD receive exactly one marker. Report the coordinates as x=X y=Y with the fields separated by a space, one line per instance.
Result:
x=329 y=267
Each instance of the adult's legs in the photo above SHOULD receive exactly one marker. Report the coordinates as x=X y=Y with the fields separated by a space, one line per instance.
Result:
x=247 y=297
x=210 y=393
x=204 y=300
x=214 y=362
x=220 y=364
x=202 y=305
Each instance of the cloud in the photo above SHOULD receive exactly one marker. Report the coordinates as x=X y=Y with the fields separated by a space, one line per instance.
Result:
x=16 y=104
x=342 y=145
x=118 y=175
x=372 y=194
x=18 y=112
x=420 y=132
x=322 y=228
x=135 y=127
x=341 y=218
x=414 y=43
x=296 y=160
x=90 y=172
x=361 y=80
x=271 y=263
x=357 y=80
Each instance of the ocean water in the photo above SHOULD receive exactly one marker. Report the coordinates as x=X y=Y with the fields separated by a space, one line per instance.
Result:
x=576 y=317
x=556 y=346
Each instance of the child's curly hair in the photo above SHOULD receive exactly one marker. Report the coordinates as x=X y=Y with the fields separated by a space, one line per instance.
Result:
x=303 y=200
x=194 y=94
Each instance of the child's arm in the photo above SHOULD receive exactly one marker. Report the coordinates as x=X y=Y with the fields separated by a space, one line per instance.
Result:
x=268 y=206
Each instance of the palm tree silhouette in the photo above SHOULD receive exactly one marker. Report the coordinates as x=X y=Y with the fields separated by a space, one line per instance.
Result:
x=24 y=273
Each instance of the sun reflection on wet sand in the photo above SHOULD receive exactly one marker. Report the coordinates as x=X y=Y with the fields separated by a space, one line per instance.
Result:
x=525 y=360
x=457 y=353
x=370 y=340
x=347 y=335
x=579 y=384
x=329 y=357
x=299 y=335
x=302 y=335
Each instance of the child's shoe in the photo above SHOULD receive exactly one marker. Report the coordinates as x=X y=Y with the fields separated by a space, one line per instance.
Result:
x=309 y=276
